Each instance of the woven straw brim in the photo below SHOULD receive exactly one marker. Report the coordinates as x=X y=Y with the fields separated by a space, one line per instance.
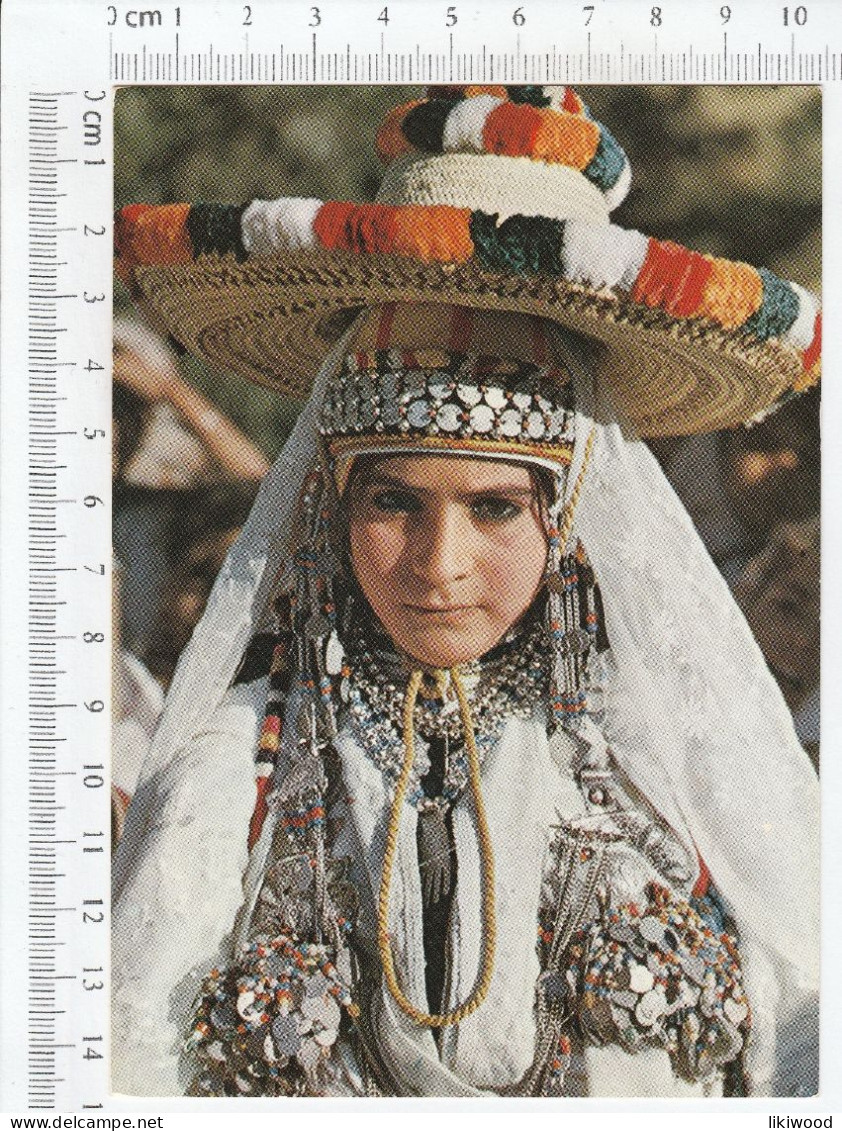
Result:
x=273 y=319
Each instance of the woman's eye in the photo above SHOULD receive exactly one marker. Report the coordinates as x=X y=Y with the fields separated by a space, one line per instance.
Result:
x=493 y=509
x=395 y=502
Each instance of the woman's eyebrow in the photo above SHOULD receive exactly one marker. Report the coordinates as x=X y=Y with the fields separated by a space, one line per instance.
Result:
x=511 y=490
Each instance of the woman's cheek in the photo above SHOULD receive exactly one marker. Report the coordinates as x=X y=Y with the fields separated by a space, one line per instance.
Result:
x=375 y=552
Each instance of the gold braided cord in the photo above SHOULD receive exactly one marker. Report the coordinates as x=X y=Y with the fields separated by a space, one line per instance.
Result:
x=573 y=501
x=489 y=923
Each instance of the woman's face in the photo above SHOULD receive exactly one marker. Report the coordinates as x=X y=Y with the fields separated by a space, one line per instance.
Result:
x=449 y=551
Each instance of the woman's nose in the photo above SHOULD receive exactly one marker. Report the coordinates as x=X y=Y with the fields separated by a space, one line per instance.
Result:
x=441 y=547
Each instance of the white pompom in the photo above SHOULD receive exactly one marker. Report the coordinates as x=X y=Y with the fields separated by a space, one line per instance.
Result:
x=602 y=256
x=279 y=225
x=800 y=333
x=464 y=124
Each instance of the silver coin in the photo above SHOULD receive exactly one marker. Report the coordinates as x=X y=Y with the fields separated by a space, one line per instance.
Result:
x=388 y=385
x=322 y=1011
x=510 y=422
x=449 y=417
x=651 y=1006
x=482 y=418
x=641 y=979
x=414 y=383
x=652 y=929
x=286 y=1035
x=309 y=1054
x=316 y=985
x=348 y=411
x=495 y=396
x=735 y=1011
x=389 y=411
x=621 y=1016
x=468 y=394
x=418 y=414
x=535 y=426
x=694 y=967
x=626 y=999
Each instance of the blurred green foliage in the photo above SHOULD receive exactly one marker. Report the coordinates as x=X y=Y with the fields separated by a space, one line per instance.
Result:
x=735 y=171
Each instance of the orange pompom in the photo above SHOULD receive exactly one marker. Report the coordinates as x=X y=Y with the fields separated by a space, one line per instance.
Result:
x=732 y=293
x=672 y=277
x=437 y=233
x=565 y=139
x=511 y=129
x=152 y=236
x=363 y=228
x=330 y=223
x=391 y=142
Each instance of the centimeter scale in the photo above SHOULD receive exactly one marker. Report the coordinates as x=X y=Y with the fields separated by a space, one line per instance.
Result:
x=61 y=64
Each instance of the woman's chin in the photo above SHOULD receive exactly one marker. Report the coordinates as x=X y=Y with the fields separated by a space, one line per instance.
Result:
x=442 y=651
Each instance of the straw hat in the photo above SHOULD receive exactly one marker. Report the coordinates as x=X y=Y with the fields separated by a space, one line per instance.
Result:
x=493 y=198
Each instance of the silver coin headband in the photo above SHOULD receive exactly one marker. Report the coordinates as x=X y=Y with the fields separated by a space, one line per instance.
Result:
x=450 y=402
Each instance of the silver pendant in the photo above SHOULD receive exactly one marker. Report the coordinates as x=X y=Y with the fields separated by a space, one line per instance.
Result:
x=434 y=855
x=334 y=655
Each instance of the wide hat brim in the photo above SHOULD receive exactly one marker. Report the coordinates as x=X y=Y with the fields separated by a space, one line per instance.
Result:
x=273 y=319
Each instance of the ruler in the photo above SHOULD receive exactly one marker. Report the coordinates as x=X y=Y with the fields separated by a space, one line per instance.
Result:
x=538 y=41
x=56 y=545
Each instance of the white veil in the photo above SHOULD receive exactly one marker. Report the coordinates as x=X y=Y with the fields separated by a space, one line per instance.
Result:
x=692 y=715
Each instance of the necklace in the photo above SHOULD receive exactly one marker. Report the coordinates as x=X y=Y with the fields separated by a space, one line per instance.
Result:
x=511 y=680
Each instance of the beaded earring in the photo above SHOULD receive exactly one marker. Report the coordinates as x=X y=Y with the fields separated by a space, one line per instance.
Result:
x=272 y=728
x=572 y=627
x=307 y=647
x=572 y=620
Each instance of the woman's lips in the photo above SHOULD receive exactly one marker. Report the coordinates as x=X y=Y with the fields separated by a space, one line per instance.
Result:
x=441 y=612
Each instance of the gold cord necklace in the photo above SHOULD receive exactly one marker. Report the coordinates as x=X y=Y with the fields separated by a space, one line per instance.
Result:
x=489 y=928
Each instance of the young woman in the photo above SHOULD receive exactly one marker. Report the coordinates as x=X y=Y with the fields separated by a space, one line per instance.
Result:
x=531 y=817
